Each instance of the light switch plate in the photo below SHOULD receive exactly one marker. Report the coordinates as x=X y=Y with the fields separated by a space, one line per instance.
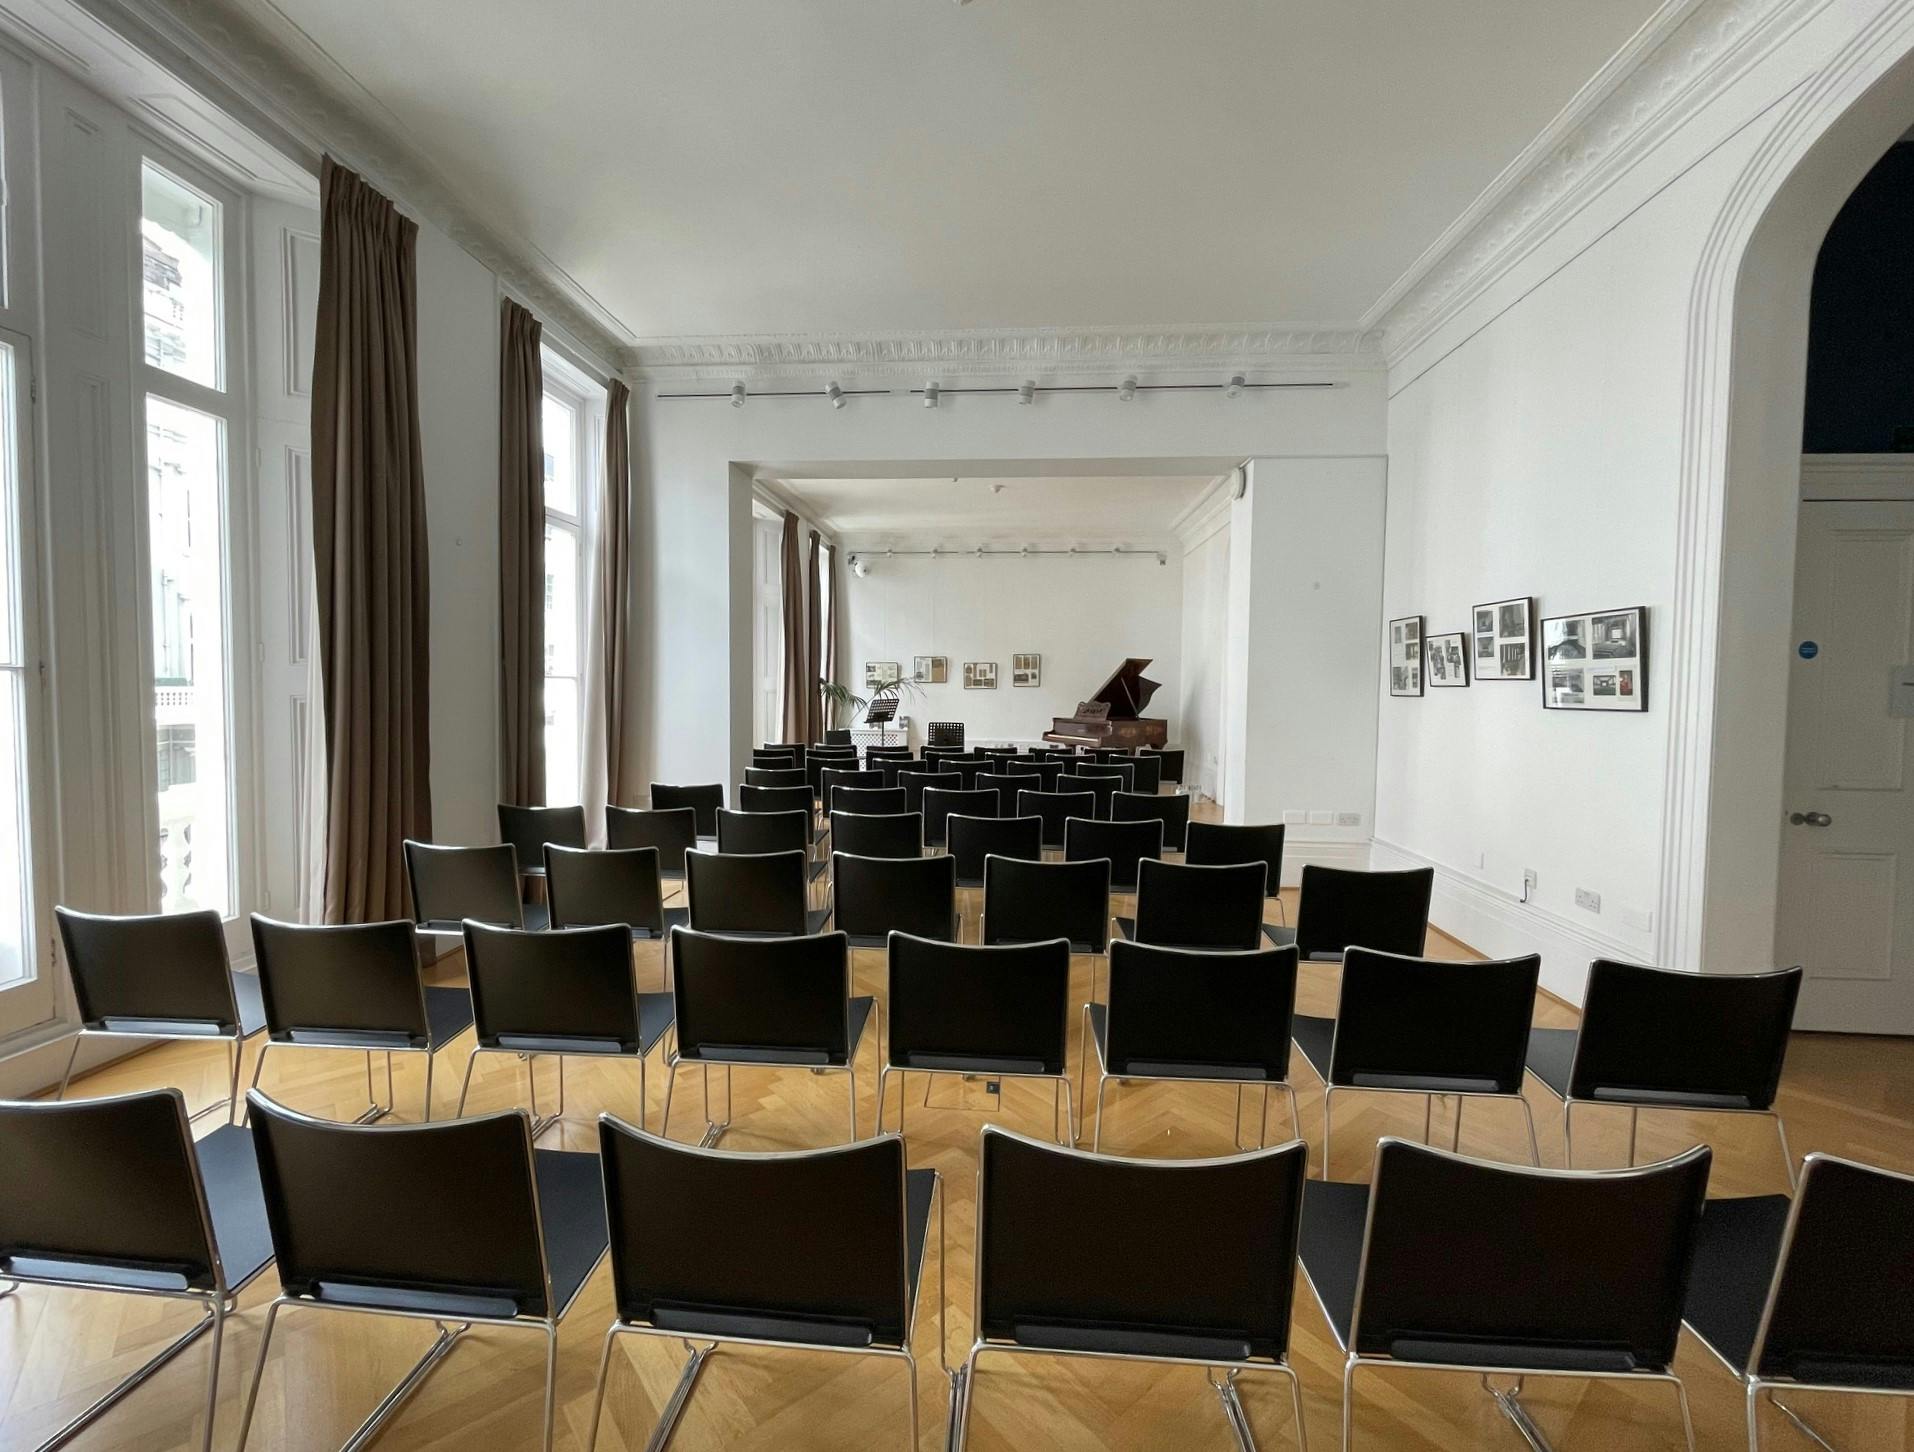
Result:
x=1294 y=818
x=1321 y=819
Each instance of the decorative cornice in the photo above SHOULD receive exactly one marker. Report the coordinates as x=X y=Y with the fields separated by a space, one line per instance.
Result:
x=1686 y=55
x=1095 y=352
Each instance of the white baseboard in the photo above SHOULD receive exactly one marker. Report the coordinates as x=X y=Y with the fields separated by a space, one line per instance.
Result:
x=31 y=1064
x=1299 y=852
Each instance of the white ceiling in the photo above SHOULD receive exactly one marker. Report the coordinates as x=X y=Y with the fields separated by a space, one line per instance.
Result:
x=1143 y=509
x=852 y=166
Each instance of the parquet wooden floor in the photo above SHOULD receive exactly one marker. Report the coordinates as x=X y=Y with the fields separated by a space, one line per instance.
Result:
x=59 y=1350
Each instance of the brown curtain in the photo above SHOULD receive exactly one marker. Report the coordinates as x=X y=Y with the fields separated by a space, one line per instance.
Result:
x=369 y=548
x=614 y=546
x=797 y=693
x=829 y=672
x=521 y=559
x=813 y=647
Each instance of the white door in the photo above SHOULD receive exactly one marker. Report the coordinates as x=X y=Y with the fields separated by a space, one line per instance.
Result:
x=1847 y=858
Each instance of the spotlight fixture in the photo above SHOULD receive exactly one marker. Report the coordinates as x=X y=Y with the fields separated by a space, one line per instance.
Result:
x=860 y=566
x=1234 y=388
x=931 y=390
x=836 y=395
x=1027 y=393
x=1126 y=390
x=738 y=392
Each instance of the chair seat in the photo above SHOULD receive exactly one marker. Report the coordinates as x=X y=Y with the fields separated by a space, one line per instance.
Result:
x=656 y=1012
x=1127 y=1341
x=678 y=917
x=920 y=1188
x=816 y=918
x=448 y=1013
x=968 y=1064
x=1169 y=1068
x=1280 y=935
x=819 y=868
x=1735 y=1253
x=230 y=1170
x=535 y=916
x=571 y=1211
x=1316 y=1038
x=1551 y=1054
x=250 y=1002
x=861 y=1010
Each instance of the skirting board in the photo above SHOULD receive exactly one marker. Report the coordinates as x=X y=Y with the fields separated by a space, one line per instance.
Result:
x=1298 y=852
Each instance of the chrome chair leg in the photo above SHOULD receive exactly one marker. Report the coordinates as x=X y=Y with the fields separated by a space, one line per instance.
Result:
x=66 y=1076
x=883 y=1083
x=430 y=1060
x=1634 y=1130
x=258 y=1064
x=1096 y=1138
x=551 y=1381
x=259 y=1372
x=680 y=1394
x=598 y=1395
x=1787 y=1162
x=1327 y=1093
x=1535 y=1148
x=471 y=1062
x=1455 y=1131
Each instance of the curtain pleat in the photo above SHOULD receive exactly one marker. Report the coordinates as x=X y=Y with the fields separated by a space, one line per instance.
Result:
x=813 y=645
x=829 y=672
x=797 y=693
x=521 y=558
x=614 y=553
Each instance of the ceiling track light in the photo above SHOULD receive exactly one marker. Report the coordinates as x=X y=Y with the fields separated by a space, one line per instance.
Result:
x=1027 y=393
x=931 y=392
x=836 y=395
x=1126 y=390
x=738 y=394
x=1234 y=388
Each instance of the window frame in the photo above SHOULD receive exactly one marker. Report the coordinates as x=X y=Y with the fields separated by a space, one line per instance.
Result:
x=566 y=382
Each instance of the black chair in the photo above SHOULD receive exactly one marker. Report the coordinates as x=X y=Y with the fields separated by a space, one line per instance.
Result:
x=673 y=832
x=997 y=751
x=838 y=736
x=1098 y=788
x=1125 y=844
x=1189 y=1016
x=937 y=753
x=1179 y=906
x=1006 y=785
x=1119 y=771
x=889 y=834
x=1172 y=811
x=875 y=754
x=820 y=762
x=1033 y=902
x=756 y=894
x=691 y=1262
x=161 y=976
x=1443 y=1262
x=967 y=768
x=1345 y=908
x=617 y=885
x=974 y=840
x=354 y=986
x=774 y=759
x=793 y=749
x=783 y=777
x=873 y=897
x=889 y=768
x=528 y=829
x=1018 y=766
x=775 y=798
x=1214 y=844
x=1103 y=755
x=113 y=1195
x=706 y=801
x=765 y=1003
x=451 y=884
x=343 y=1203
x=1053 y=809
x=869 y=801
x=1810 y=1294
x=757 y=832
x=1169 y=762
x=993 y=1012
x=1146 y=774
x=1186 y=1262
x=914 y=784
x=1425 y=1026
x=1655 y=1038
x=942 y=803
x=835 y=779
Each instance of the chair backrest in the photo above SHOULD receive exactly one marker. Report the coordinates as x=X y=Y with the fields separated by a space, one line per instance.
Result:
x=1053 y=809
x=1503 y=1265
x=998 y=751
x=873 y=754
x=1698 y=1035
x=837 y=736
x=764 y=831
x=592 y=889
x=1006 y=785
x=673 y=832
x=343 y=1203
x=962 y=1000
x=1402 y=1017
x=889 y=768
x=778 y=776
x=914 y=783
x=941 y=803
x=774 y=798
x=794 y=749
x=1033 y=902
x=1061 y=1258
x=569 y=983
x=835 y=779
x=158 y=967
x=1125 y=844
x=1117 y=770
x=972 y=840
x=1214 y=844
x=104 y=1190
x=1169 y=763
x=1838 y=1311
x=869 y=801
x=1172 y=811
x=767 y=758
x=1146 y=774
x=690 y=1252
x=1018 y=766
x=352 y=977
x=1171 y=1008
x=835 y=751
x=451 y=884
x=528 y=829
x=878 y=834
x=967 y=768
x=1343 y=908
x=1098 y=788
x=873 y=896
x=935 y=755
x=768 y=998
x=1110 y=753
x=1179 y=906
x=703 y=799
x=731 y=892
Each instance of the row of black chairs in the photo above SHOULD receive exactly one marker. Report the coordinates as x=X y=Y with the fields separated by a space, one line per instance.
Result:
x=1168 y=761
x=1439 y=1262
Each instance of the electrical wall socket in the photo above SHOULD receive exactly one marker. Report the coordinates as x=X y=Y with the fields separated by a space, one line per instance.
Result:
x=1321 y=819
x=1528 y=883
x=1294 y=818
x=1592 y=901
x=1349 y=819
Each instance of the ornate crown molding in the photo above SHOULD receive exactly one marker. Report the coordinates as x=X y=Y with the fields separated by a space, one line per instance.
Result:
x=240 y=63
x=1688 y=54
x=1009 y=352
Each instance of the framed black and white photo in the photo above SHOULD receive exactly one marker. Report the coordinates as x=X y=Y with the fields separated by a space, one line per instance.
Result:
x=1448 y=659
x=1504 y=634
x=1026 y=669
x=930 y=670
x=1405 y=656
x=1597 y=661
x=881 y=673
x=980 y=675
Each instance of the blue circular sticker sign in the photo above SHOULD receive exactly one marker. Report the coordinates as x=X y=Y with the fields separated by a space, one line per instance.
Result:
x=1809 y=649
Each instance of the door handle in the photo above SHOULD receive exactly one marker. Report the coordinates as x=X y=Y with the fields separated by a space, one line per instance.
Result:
x=1810 y=819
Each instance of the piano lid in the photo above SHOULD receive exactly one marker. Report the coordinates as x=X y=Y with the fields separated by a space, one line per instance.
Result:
x=1128 y=691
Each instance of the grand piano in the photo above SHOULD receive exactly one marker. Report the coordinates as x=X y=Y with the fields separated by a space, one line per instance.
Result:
x=1114 y=715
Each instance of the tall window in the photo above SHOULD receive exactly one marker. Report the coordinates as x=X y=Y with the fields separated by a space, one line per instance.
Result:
x=18 y=960
x=573 y=425
x=181 y=268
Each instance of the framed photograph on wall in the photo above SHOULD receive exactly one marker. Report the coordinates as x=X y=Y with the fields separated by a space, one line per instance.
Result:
x=930 y=670
x=1503 y=632
x=1597 y=661
x=1405 y=656
x=1026 y=670
x=1447 y=659
x=881 y=673
x=980 y=675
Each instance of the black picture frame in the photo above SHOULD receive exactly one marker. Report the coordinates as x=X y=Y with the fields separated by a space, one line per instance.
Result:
x=1511 y=655
x=1446 y=660
x=1402 y=650
x=1596 y=661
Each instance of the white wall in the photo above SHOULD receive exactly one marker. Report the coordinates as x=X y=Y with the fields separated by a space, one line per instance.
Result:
x=1083 y=615
x=1200 y=699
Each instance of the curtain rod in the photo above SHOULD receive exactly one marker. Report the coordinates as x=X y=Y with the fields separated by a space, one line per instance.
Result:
x=738 y=392
x=940 y=553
